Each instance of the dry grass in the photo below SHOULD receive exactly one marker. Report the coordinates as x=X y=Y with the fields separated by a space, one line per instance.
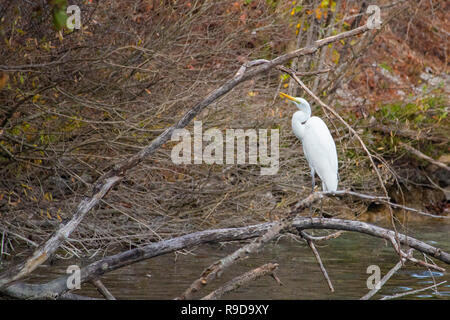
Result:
x=133 y=70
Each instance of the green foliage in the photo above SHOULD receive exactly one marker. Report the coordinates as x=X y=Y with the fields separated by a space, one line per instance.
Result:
x=298 y=9
x=385 y=66
x=284 y=77
x=272 y=4
x=422 y=115
x=59 y=14
x=427 y=111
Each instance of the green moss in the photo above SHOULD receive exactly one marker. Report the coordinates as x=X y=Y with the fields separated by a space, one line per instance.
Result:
x=421 y=111
x=427 y=115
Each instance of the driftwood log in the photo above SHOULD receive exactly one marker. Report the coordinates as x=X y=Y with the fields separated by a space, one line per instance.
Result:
x=58 y=287
x=235 y=283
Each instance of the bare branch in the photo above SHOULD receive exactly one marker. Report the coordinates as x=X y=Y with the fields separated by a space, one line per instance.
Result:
x=241 y=280
x=58 y=286
x=407 y=133
x=102 y=289
x=379 y=285
x=113 y=177
x=424 y=156
x=399 y=295
x=316 y=254
x=408 y=256
x=324 y=238
x=383 y=200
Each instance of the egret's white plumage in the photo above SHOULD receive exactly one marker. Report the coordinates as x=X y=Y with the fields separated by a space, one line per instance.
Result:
x=318 y=144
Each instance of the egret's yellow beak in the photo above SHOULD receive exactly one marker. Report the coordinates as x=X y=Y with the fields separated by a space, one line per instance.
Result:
x=284 y=95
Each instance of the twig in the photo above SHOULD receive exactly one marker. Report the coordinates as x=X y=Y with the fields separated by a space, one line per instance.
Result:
x=102 y=289
x=30 y=242
x=408 y=256
x=94 y=270
x=379 y=285
x=33 y=66
x=312 y=73
x=395 y=296
x=395 y=205
x=323 y=238
x=1 y=249
x=316 y=254
x=382 y=200
x=431 y=273
x=105 y=183
x=241 y=280
x=407 y=133
x=214 y=270
x=356 y=194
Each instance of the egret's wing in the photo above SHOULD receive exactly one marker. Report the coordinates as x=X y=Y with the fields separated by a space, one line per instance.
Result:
x=320 y=150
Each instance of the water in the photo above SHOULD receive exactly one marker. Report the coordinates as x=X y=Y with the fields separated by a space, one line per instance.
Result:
x=345 y=258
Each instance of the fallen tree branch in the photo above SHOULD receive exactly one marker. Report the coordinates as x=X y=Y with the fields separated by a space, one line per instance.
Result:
x=239 y=281
x=412 y=292
x=71 y=296
x=424 y=156
x=57 y=287
x=383 y=200
x=102 y=289
x=316 y=254
x=408 y=256
x=406 y=133
x=105 y=183
x=214 y=270
x=379 y=285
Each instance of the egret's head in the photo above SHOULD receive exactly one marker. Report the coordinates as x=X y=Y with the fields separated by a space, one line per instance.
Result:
x=300 y=103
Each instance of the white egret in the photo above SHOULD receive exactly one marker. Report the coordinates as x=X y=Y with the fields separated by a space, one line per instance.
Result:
x=318 y=144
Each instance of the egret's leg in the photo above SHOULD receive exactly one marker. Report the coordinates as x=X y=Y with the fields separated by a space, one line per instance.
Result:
x=312 y=190
x=321 y=204
x=313 y=181
x=324 y=188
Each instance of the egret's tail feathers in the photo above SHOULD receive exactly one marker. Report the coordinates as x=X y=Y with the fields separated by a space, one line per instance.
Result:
x=330 y=185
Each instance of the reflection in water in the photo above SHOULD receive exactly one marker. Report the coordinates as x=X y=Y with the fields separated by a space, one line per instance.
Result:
x=427 y=274
x=345 y=258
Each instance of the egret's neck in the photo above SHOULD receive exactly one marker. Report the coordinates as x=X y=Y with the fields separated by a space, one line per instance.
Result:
x=305 y=112
x=300 y=117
